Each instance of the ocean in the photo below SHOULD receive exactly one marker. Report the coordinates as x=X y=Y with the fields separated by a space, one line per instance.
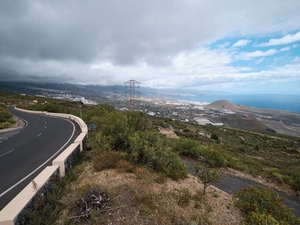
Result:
x=280 y=102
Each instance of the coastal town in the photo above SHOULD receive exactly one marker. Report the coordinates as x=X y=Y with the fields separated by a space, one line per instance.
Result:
x=185 y=111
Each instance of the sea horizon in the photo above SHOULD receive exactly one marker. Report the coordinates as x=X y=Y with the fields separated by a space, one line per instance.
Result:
x=266 y=101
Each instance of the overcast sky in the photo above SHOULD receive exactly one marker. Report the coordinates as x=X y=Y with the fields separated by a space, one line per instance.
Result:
x=240 y=46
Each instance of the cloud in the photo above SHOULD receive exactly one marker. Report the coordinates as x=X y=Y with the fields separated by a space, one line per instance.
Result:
x=255 y=54
x=161 y=42
x=126 y=32
x=259 y=61
x=283 y=41
x=241 y=43
x=285 y=49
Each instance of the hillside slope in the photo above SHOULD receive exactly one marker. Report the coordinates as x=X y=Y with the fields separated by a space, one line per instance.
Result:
x=241 y=121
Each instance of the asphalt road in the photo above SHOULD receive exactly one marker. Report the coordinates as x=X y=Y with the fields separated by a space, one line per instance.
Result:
x=231 y=183
x=24 y=152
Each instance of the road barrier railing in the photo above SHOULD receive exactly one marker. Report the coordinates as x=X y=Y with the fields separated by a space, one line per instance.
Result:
x=15 y=211
x=66 y=159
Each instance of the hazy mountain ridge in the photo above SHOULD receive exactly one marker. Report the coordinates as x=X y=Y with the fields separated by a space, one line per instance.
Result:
x=89 y=90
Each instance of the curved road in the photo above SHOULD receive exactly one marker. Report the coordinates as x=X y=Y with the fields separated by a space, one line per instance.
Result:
x=26 y=151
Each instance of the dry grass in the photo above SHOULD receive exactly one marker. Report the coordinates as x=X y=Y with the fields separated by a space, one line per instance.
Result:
x=106 y=160
x=143 y=197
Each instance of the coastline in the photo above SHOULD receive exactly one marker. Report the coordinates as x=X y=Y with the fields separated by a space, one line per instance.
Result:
x=289 y=103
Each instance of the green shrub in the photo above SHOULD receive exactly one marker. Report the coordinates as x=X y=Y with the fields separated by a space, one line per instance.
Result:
x=278 y=177
x=236 y=163
x=258 y=218
x=296 y=181
x=214 y=137
x=188 y=147
x=150 y=149
x=275 y=175
x=5 y=117
x=5 y=125
x=263 y=201
x=215 y=158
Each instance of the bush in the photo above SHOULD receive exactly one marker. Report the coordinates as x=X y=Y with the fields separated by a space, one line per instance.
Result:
x=5 y=115
x=187 y=147
x=263 y=201
x=278 y=177
x=214 y=137
x=275 y=175
x=107 y=160
x=124 y=165
x=257 y=218
x=296 y=181
x=215 y=158
x=235 y=163
x=5 y=125
x=150 y=149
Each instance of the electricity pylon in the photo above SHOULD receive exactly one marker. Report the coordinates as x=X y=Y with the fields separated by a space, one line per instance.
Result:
x=131 y=88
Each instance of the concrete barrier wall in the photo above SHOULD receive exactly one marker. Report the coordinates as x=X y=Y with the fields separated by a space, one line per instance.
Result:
x=31 y=111
x=81 y=140
x=15 y=211
x=78 y=120
x=66 y=159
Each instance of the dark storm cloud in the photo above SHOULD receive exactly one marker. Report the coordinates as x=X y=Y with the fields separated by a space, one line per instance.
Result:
x=121 y=31
x=65 y=38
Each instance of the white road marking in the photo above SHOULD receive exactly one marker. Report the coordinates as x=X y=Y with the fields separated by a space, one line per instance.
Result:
x=6 y=153
x=39 y=134
x=3 y=193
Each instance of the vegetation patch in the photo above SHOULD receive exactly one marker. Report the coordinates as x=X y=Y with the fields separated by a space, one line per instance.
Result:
x=260 y=204
x=6 y=117
x=141 y=173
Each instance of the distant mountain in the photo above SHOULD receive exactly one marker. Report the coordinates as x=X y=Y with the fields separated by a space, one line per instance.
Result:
x=223 y=104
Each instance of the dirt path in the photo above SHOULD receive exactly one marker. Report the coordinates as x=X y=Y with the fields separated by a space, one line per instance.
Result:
x=168 y=132
x=231 y=183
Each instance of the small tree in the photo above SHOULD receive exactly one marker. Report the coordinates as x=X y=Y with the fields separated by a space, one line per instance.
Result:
x=206 y=176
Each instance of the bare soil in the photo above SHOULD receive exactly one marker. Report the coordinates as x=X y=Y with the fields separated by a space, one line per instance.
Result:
x=143 y=197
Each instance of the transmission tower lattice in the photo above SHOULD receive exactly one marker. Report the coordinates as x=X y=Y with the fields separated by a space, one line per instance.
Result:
x=131 y=88
x=115 y=95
